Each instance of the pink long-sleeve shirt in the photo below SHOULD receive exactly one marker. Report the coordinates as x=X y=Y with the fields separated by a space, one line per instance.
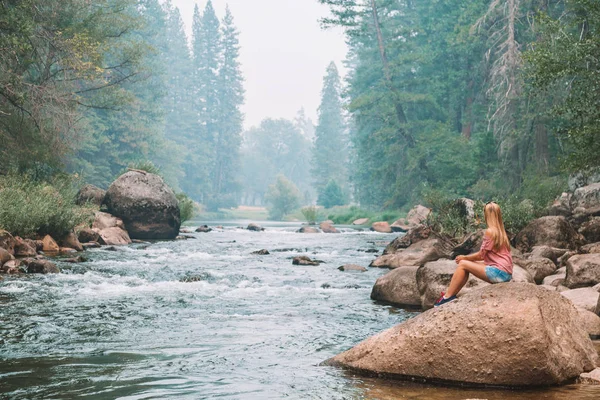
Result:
x=501 y=259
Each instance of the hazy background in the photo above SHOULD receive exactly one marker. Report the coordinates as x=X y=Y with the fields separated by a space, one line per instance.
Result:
x=283 y=58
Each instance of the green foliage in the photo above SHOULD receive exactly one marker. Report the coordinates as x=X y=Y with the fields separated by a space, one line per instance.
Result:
x=283 y=197
x=346 y=215
x=187 y=207
x=145 y=165
x=311 y=214
x=332 y=195
x=31 y=208
x=448 y=215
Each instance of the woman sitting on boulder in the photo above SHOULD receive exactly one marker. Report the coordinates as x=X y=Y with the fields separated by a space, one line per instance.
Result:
x=493 y=263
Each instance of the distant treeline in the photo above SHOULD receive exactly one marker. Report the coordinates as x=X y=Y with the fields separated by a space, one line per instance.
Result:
x=479 y=98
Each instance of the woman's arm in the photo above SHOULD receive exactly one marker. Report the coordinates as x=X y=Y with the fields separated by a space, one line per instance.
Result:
x=471 y=257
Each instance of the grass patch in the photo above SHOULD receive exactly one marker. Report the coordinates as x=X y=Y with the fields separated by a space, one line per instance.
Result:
x=347 y=214
x=31 y=208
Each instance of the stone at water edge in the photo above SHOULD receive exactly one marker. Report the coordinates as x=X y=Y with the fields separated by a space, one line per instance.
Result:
x=327 y=227
x=308 y=229
x=147 y=206
x=304 y=260
x=381 y=227
x=398 y=287
x=352 y=268
x=255 y=227
x=5 y=256
x=361 y=221
x=87 y=235
x=24 y=249
x=70 y=240
x=110 y=229
x=413 y=236
x=42 y=267
x=7 y=241
x=590 y=378
x=203 y=229
x=509 y=334
x=263 y=252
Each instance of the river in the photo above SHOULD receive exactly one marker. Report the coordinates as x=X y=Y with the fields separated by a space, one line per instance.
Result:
x=203 y=319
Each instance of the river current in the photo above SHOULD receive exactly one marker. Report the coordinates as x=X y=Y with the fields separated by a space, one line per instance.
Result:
x=203 y=318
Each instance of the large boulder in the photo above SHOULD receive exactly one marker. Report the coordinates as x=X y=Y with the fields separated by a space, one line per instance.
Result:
x=42 y=266
x=434 y=278
x=415 y=217
x=561 y=206
x=90 y=194
x=328 y=227
x=381 y=227
x=24 y=249
x=585 y=298
x=587 y=198
x=398 y=287
x=87 y=235
x=583 y=270
x=551 y=253
x=509 y=334
x=111 y=229
x=591 y=230
x=521 y=275
x=145 y=203
x=471 y=243
x=538 y=268
x=414 y=235
x=416 y=254
x=553 y=231
x=49 y=245
x=71 y=241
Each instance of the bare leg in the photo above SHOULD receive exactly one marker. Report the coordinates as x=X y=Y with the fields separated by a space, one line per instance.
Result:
x=461 y=276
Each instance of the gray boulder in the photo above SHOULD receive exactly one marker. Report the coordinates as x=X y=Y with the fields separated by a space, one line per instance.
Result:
x=587 y=198
x=110 y=229
x=147 y=206
x=591 y=230
x=413 y=236
x=583 y=270
x=550 y=231
x=398 y=287
x=416 y=254
x=584 y=298
x=538 y=268
x=90 y=194
x=509 y=334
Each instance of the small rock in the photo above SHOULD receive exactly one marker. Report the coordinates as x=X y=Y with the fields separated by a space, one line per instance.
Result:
x=591 y=230
x=7 y=241
x=42 y=267
x=398 y=287
x=590 y=322
x=361 y=221
x=307 y=229
x=590 y=378
x=75 y=260
x=110 y=248
x=12 y=267
x=327 y=227
x=554 y=280
x=87 y=235
x=263 y=252
x=304 y=260
x=203 y=229
x=352 y=267
x=91 y=245
x=91 y=194
x=381 y=227
x=521 y=275
x=71 y=241
x=255 y=227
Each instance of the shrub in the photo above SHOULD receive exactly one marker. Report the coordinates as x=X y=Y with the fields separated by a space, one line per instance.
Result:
x=29 y=208
x=311 y=214
x=144 y=165
x=332 y=195
x=283 y=196
x=187 y=207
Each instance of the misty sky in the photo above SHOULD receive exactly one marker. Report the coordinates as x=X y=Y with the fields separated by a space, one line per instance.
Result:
x=284 y=53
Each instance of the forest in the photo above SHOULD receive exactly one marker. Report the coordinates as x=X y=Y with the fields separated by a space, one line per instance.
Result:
x=486 y=99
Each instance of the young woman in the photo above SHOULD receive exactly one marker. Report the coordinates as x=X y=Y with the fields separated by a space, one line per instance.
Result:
x=493 y=263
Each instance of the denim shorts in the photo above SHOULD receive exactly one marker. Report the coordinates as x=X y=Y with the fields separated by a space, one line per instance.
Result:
x=496 y=275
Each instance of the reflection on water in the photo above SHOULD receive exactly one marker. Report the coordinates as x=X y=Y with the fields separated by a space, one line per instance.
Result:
x=203 y=318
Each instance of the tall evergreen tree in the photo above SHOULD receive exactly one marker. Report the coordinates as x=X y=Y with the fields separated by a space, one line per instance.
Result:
x=329 y=151
x=230 y=95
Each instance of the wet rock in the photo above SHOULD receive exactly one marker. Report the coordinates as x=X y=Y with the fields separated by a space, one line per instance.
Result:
x=583 y=270
x=434 y=277
x=12 y=267
x=307 y=229
x=548 y=231
x=204 y=229
x=412 y=236
x=42 y=267
x=584 y=298
x=488 y=324
x=90 y=194
x=255 y=227
x=110 y=248
x=398 y=287
x=538 y=268
x=590 y=322
x=327 y=227
x=471 y=243
x=23 y=249
x=111 y=229
x=87 y=235
x=71 y=241
x=263 y=252
x=591 y=248
x=416 y=254
x=5 y=256
x=304 y=260
x=352 y=268
x=75 y=260
x=7 y=241
x=184 y=237
x=374 y=251
x=361 y=221
x=147 y=206
x=91 y=245
x=66 y=250
x=591 y=230
x=381 y=227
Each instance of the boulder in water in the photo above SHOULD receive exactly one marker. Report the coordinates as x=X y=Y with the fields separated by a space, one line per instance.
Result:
x=328 y=227
x=42 y=266
x=147 y=206
x=308 y=229
x=381 y=227
x=263 y=252
x=509 y=334
x=304 y=260
x=398 y=287
x=352 y=267
x=5 y=256
x=255 y=227
x=203 y=229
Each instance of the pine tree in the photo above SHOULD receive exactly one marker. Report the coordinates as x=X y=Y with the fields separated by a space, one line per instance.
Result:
x=230 y=94
x=329 y=152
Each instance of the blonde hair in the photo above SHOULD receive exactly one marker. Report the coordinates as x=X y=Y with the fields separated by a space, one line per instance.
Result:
x=493 y=219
